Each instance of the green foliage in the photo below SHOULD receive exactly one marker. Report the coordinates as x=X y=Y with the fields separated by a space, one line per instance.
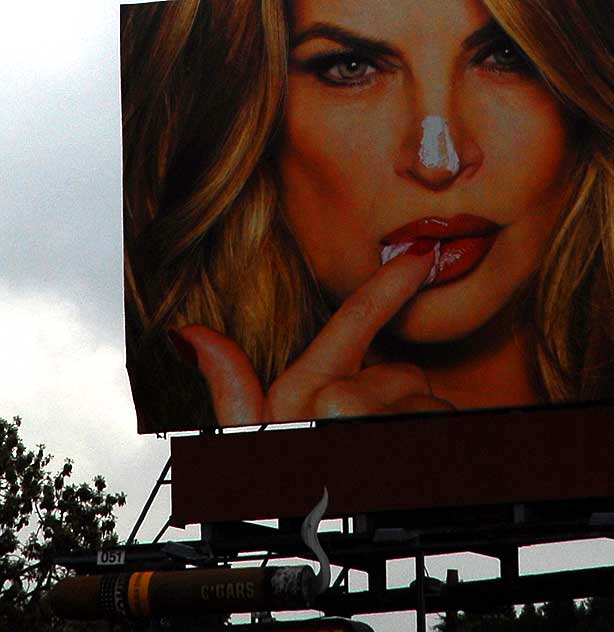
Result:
x=501 y=621
x=43 y=515
x=594 y=615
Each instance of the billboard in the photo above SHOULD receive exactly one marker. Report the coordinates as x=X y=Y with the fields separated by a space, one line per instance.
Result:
x=357 y=209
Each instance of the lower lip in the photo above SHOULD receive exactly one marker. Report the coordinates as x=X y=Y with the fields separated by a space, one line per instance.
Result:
x=458 y=257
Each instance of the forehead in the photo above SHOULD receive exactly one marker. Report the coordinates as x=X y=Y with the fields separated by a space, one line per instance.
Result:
x=392 y=19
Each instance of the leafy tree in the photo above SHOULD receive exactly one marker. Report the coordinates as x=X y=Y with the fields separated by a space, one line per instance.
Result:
x=560 y=615
x=43 y=515
x=530 y=619
x=502 y=621
x=601 y=608
x=594 y=615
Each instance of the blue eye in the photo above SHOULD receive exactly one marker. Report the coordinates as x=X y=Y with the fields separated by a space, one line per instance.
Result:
x=503 y=55
x=350 y=70
x=342 y=69
x=507 y=56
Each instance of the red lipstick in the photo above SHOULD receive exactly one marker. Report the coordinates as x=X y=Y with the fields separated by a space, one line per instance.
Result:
x=464 y=241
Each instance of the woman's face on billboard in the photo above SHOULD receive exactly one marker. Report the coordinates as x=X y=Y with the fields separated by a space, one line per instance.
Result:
x=419 y=120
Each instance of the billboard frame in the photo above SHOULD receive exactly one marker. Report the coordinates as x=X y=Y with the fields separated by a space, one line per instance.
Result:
x=405 y=463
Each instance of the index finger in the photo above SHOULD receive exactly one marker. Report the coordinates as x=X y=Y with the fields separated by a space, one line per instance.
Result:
x=340 y=346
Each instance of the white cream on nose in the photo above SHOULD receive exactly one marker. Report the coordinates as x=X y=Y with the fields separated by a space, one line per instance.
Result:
x=437 y=147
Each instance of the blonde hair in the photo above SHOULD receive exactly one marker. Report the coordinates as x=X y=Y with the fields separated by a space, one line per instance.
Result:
x=571 y=44
x=203 y=89
x=203 y=86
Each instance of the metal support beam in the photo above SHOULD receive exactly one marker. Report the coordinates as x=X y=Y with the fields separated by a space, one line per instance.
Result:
x=154 y=492
x=162 y=531
x=420 y=603
x=451 y=614
x=508 y=559
x=377 y=577
x=342 y=578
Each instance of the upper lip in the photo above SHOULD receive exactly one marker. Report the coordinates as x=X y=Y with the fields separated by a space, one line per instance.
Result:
x=457 y=227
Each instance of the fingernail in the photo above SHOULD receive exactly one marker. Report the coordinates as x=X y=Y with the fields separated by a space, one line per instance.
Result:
x=432 y=275
x=184 y=349
x=422 y=246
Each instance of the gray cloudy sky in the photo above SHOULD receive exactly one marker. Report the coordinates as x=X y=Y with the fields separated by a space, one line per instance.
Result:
x=61 y=321
x=61 y=327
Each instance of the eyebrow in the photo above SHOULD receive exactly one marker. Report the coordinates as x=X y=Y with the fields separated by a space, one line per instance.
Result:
x=487 y=33
x=344 y=37
x=491 y=30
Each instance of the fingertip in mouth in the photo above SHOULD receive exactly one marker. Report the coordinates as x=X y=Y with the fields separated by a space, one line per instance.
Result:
x=432 y=275
x=419 y=247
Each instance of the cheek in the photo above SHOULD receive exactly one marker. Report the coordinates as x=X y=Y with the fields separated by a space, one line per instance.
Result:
x=524 y=143
x=334 y=163
x=337 y=150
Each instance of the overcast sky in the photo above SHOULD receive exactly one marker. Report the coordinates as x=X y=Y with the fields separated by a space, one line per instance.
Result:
x=61 y=303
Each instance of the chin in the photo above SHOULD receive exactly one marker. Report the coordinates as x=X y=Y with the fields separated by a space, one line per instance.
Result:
x=446 y=314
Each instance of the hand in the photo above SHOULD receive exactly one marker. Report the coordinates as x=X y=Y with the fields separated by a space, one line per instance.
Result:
x=328 y=379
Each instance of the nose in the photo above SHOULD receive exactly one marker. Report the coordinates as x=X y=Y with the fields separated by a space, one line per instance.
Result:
x=437 y=154
x=438 y=149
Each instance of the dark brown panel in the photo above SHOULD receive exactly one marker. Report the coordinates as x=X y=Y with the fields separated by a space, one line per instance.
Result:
x=396 y=464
